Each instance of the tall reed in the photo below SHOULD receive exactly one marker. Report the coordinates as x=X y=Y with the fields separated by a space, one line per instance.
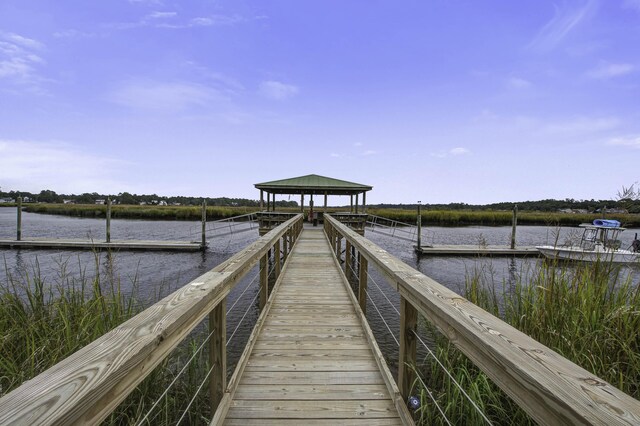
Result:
x=43 y=322
x=588 y=313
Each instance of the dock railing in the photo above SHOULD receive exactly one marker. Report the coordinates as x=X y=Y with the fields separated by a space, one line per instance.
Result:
x=88 y=385
x=550 y=388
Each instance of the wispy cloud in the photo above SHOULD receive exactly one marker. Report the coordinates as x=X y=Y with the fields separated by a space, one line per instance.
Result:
x=458 y=151
x=369 y=152
x=172 y=20
x=607 y=71
x=164 y=96
x=33 y=166
x=278 y=91
x=626 y=141
x=19 y=61
x=582 y=126
x=632 y=4
x=566 y=19
x=518 y=83
x=147 y=2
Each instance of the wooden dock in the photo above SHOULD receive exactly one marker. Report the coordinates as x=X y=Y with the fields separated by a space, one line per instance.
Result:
x=83 y=244
x=475 y=250
x=313 y=360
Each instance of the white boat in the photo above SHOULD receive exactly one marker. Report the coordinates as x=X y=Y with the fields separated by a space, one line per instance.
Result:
x=599 y=242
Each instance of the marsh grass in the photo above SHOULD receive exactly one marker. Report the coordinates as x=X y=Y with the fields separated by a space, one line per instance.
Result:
x=139 y=212
x=588 y=313
x=495 y=218
x=43 y=323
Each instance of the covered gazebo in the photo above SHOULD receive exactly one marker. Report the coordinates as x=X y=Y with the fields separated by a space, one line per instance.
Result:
x=313 y=185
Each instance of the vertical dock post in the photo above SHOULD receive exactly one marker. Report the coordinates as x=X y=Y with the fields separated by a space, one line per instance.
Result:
x=108 y=215
x=347 y=259
x=276 y=258
x=362 y=282
x=19 y=226
x=419 y=223
x=514 y=224
x=408 y=326
x=218 y=353
x=203 y=244
x=264 y=278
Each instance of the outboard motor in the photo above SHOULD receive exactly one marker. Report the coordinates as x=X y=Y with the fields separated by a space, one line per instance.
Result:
x=635 y=245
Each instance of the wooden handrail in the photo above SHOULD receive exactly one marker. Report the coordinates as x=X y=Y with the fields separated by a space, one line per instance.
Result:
x=85 y=387
x=550 y=388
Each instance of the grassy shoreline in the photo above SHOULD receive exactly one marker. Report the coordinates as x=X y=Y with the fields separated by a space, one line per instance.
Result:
x=587 y=313
x=451 y=218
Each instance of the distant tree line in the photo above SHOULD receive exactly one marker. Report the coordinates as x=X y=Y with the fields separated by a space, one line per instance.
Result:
x=631 y=205
x=49 y=196
x=628 y=199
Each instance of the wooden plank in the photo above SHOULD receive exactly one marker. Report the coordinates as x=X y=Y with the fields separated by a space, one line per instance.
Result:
x=318 y=409
x=311 y=377
x=471 y=250
x=295 y=364
x=313 y=422
x=312 y=392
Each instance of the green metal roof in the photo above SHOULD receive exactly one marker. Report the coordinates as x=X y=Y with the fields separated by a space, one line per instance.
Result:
x=313 y=184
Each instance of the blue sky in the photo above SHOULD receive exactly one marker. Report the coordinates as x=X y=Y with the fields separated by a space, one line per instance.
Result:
x=434 y=100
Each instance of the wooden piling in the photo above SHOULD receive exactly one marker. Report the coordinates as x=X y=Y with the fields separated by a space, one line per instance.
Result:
x=19 y=225
x=347 y=258
x=276 y=258
x=218 y=353
x=203 y=244
x=419 y=223
x=264 y=285
x=407 y=361
x=108 y=215
x=362 y=282
x=514 y=224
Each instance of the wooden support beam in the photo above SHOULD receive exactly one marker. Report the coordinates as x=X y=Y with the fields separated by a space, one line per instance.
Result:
x=347 y=259
x=362 y=282
x=364 y=202
x=514 y=224
x=218 y=353
x=357 y=195
x=407 y=361
x=264 y=278
x=19 y=219
x=203 y=243
x=261 y=200
x=276 y=258
x=325 y=202
x=351 y=203
x=108 y=217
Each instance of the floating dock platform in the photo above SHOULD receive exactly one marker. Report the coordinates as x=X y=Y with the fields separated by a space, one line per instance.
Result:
x=83 y=244
x=474 y=250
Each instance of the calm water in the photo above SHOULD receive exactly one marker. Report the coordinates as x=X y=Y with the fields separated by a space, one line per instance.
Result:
x=156 y=274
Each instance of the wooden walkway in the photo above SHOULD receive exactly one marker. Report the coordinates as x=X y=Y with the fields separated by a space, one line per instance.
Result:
x=311 y=362
x=471 y=250
x=83 y=244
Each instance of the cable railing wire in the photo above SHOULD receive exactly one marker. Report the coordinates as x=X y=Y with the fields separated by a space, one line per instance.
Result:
x=425 y=387
x=452 y=378
x=383 y=320
x=175 y=379
x=186 y=410
x=473 y=403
